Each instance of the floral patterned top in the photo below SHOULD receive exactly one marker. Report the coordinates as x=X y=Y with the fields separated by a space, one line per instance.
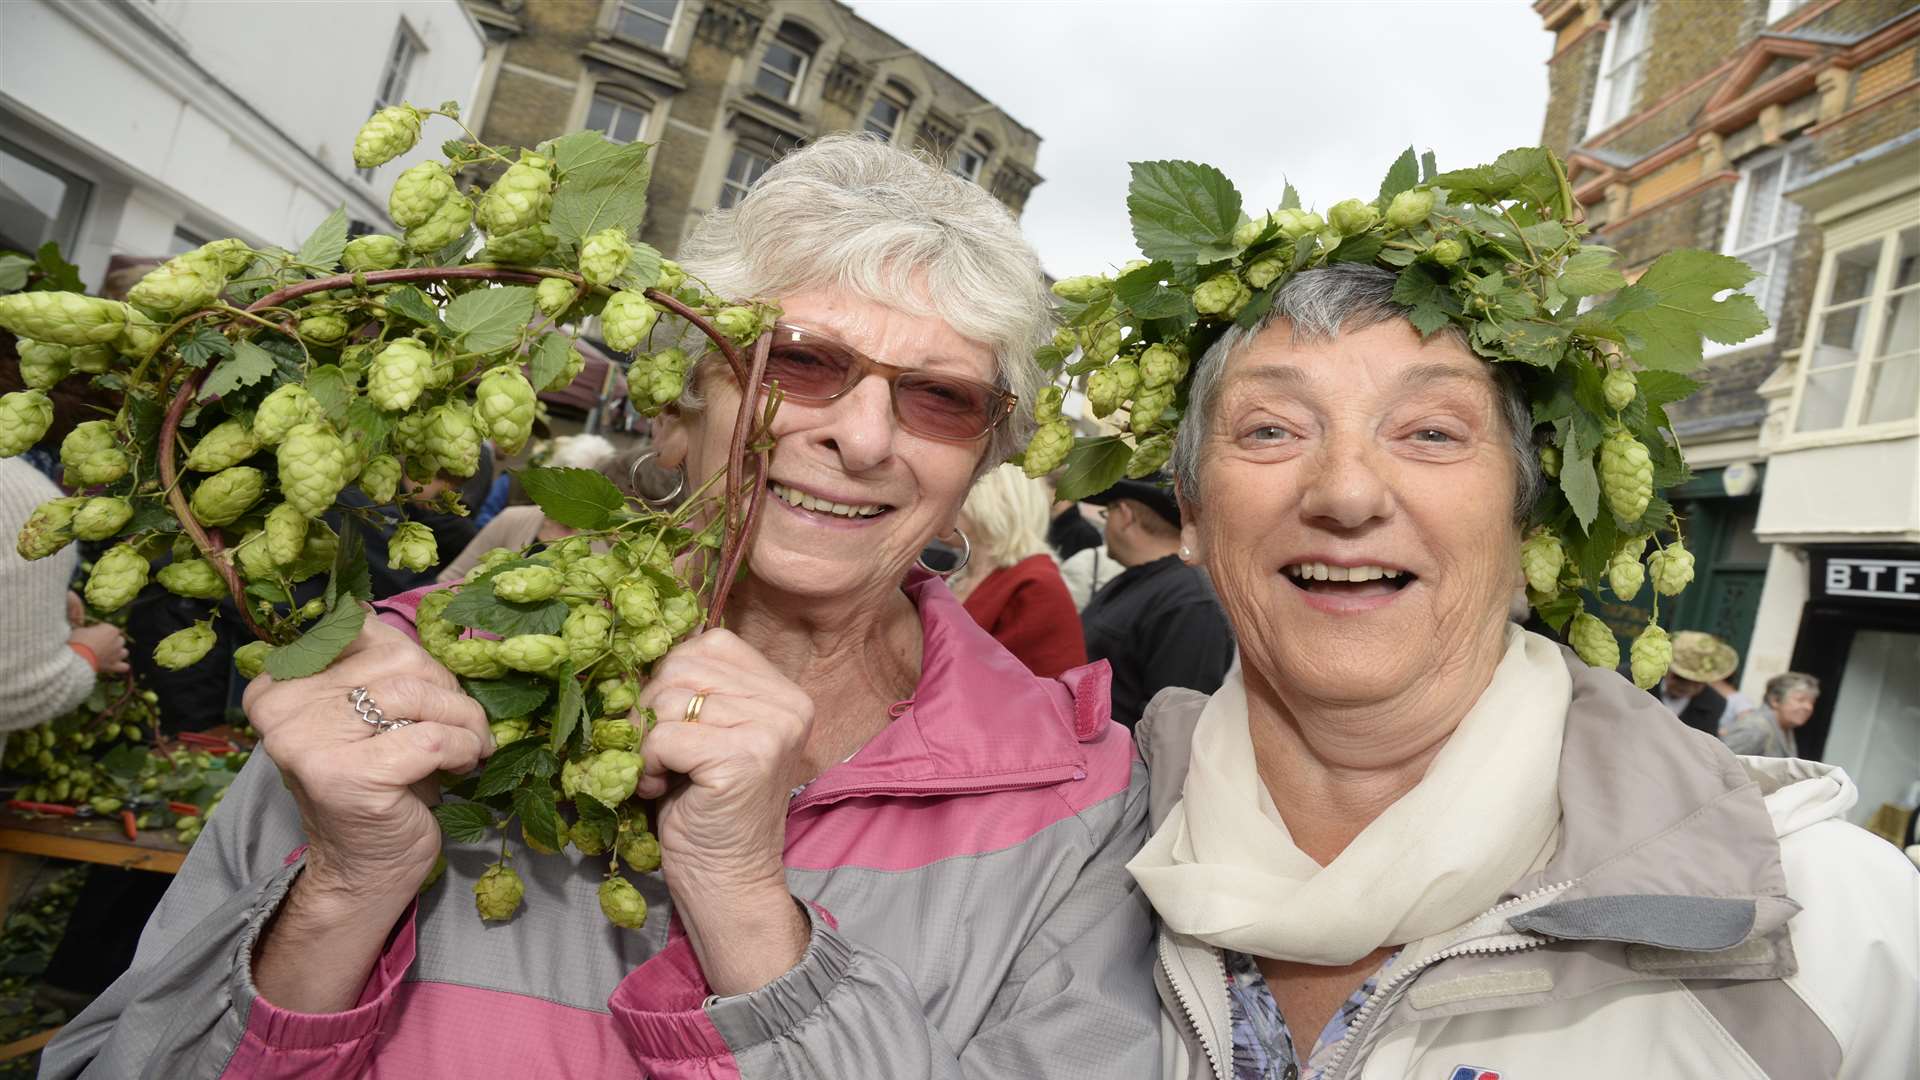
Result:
x=1262 y=1046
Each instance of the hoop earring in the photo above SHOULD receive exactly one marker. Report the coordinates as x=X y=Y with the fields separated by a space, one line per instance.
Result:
x=966 y=553
x=664 y=501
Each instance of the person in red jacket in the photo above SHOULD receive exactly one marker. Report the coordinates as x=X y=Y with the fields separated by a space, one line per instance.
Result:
x=1010 y=583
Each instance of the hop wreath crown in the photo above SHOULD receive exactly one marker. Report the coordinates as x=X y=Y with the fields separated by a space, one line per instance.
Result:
x=1494 y=250
x=254 y=386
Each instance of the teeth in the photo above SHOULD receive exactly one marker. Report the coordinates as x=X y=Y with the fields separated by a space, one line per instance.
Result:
x=1314 y=571
x=808 y=502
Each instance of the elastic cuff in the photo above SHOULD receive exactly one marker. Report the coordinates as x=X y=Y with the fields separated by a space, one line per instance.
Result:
x=284 y=1029
x=777 y=1008
x=660 y=1004
x=86 y=654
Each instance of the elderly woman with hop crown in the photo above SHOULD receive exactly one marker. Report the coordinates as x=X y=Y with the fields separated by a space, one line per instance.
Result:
x=1407 y=838
x=886 y=848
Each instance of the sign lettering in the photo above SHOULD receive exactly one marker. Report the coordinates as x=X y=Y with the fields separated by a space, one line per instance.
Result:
x=1880 y=579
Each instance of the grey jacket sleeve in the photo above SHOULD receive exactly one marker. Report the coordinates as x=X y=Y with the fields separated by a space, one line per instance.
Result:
x=1077 y=1003
x=179 y=1011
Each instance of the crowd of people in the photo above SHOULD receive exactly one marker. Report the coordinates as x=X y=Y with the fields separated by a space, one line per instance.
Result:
x=1128 y=788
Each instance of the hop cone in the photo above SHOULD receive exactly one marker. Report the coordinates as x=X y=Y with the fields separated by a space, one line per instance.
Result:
x=608 y=776
x=101 y=518
x=615 y=733
x=587 y=632
x=1410 y=208
x=229 y=443
x=418 y=193
x=25 y=416
x=251 y=659
x=622 y=904
x=474 y=658
x=380 y=478
x=504 y=403
x=742 y=324
x=1550 y=460
x=436 y=632
x=63 y=318
x=399 y=375
x=452 y=438
x=1619 y=388
x=1672 y=569
x=1626 y=475
x=448 y=223
x=386 y=135
x=497 y=894
x=195 y=578
x=679 y=613
x=117 y=577
x=1541 y=558
x=1084 y=289
x=283 y=410
x=637 y=603
x=1625 y=573
x=322 y=327
x=1262 y=273
x=575 y=365
x=1162 y=365
x=1594 y=641
x=223 y=497
x=525 y=247
x=1217 y=295
x=1351 y=217
x=42 y=363
x=183 y=648
x=373 y=252
x=313 y=468
x=589 y=837
x=604 y=255
x=47 y=528
x=412 y=547
x=626 y=320
x=518 y=200
x=1103 y=344
x=553 y=296
x=1048 y=448
x=180 y=284
x=535 y=654
x=1148 y=409
x=286 y=534
x=1651 y=654
x=91 y=455
x=617 y=698
x=1103 y=391
x=639 y=849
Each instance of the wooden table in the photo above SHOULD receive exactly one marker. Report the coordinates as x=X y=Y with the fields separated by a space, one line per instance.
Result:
x=94 y=840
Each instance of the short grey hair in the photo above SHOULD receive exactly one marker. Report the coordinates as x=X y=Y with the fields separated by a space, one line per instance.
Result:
x=851 y=213
x=1318 y=305
x=1791 y=682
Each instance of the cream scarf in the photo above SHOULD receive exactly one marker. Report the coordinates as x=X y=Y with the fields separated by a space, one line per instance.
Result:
x=1223 y=867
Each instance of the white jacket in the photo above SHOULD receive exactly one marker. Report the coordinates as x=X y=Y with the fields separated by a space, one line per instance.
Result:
x=1702 y=916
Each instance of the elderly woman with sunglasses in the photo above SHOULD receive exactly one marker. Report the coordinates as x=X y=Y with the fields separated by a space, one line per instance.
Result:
x=889 y=850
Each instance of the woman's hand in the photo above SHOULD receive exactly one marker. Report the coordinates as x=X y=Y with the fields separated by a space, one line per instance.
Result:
x=107 y=644
x=723 y=833
x=365 y=798
x=365 y=803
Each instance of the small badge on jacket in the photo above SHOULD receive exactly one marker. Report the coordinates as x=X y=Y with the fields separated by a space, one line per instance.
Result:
x=1473 y=1072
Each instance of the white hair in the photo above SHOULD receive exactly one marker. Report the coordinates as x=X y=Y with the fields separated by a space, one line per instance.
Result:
x=848 y=212
x=1008 y=513
x=578 y=452
x=1318 y=305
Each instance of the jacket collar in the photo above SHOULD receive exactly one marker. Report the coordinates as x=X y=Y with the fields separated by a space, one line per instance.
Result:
x=978 y=719
x=1664 y=836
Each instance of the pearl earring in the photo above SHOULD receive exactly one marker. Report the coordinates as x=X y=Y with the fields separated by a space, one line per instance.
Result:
x=1186 y=552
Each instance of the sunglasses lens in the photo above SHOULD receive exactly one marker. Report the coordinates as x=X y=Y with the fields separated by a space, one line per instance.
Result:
x=945 y=408
x=806 y=370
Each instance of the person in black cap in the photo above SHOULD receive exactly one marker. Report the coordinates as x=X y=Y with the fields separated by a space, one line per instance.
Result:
x=1158 y=623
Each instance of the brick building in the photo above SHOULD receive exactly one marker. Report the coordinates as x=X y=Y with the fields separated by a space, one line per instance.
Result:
x=724 y=87
x=1787 y=133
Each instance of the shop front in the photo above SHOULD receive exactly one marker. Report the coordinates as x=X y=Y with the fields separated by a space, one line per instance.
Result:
x=1860 y=636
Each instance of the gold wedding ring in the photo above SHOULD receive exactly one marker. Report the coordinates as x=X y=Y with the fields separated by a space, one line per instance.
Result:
x=694 y=704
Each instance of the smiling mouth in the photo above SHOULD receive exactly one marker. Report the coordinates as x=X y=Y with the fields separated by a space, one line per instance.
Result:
x=804 y=501
x=1315 y=577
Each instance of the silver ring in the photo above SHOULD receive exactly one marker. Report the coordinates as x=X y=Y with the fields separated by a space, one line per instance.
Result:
x=371 y=714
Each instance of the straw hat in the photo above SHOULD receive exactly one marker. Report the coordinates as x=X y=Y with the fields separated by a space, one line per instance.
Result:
x=1702 y=657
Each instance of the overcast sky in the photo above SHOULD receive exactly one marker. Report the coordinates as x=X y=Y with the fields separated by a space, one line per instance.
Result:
x=1325 y=94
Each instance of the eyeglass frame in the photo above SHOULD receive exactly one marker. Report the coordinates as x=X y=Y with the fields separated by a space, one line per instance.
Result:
x=864 y=365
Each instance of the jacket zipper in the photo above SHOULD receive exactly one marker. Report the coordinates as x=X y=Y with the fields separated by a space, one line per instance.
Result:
x=1396 y=982
x=1186 y=1003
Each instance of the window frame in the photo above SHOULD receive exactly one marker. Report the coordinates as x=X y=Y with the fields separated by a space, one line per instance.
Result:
x=1780 y=9
x=892 y=96
x=796 y=46
x=1737 y=210
x=730 y=185
x=1611 y=65
x=974 y=146
x=400 y=62
x=1882 y=229
x=620 y=103
x=622 y=7
x=67 y=224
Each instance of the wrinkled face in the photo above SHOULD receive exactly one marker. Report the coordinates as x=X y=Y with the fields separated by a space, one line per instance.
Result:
x=1356 y=513
x=855 y=497
x=1795 y=709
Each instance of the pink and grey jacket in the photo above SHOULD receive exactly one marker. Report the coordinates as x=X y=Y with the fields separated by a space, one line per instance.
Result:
x=965 y=874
